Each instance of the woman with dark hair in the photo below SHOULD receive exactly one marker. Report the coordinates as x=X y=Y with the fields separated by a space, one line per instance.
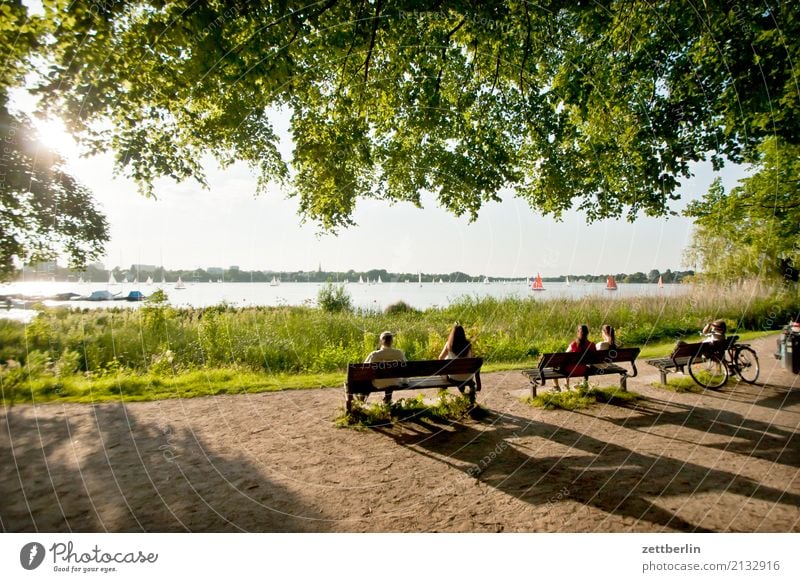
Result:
x=580 y=344
x=457 y=346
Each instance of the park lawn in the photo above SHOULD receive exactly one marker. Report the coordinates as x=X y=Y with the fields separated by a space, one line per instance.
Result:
x=130 y=386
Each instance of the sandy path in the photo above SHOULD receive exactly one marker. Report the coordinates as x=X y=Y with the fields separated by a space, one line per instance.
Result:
x=718 y=461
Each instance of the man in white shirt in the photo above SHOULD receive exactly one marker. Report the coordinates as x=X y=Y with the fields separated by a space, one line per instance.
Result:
x=386 y=353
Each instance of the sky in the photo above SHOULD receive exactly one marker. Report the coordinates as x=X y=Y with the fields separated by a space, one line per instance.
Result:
x=190 y=227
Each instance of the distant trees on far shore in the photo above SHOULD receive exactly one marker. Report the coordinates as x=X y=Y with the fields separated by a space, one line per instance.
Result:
x=98 y=274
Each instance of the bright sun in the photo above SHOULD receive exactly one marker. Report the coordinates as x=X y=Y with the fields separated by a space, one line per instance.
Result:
x=54 y=135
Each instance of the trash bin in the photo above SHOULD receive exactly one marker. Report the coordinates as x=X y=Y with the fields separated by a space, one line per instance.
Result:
x=789 y=349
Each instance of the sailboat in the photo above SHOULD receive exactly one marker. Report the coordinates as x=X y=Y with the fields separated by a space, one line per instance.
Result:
x=179 y=284
x=537 y=283
x=379 y=280
x=80 y=280
x=660 y=282
x=360 y=280
x=275 y=282
x=419 y=278
x=611 y=284
x=149 y=280
x=111 y=279
x=486 y=280
x=567 y=280
x=163 y=278
x=440 y=280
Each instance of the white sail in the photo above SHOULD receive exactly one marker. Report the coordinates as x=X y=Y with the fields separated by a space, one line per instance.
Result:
x=179 y=284
x=419 y=278
x=80 y=280
x=149 y=280
x=275 y=281
x=379 y=280
x=111 y=279
x=567 y=281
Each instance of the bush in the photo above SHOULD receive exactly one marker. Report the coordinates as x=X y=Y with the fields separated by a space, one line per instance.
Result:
x=398 y=308
x=334 y=298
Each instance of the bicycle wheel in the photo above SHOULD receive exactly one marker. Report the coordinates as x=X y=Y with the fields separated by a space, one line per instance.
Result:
x=708 y=370
x=745 y=364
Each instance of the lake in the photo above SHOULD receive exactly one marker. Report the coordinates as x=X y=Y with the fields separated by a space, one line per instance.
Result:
x=369 y=296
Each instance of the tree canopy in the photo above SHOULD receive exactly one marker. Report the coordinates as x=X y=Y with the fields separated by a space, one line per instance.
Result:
x=753 y=229
x=600 y=106
x=43 y=210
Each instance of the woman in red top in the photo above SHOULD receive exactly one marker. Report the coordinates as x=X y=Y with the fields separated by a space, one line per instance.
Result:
x=580 y=344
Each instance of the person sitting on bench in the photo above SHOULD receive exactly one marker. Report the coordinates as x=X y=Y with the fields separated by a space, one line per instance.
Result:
x=609 y=338
x=580 y=344
x=717 y=328
x=386 y=353
x=457 y=346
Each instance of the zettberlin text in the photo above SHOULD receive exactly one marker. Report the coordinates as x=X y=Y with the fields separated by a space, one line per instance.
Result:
x=667 y=549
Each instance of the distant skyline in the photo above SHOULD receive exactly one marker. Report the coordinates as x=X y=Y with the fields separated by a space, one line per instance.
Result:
x=188 y=227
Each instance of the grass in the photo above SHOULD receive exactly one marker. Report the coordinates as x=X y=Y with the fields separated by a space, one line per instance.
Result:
x=582 y=397
x=446 y=407
x=129 y=387
x=158 y=351
x=680 y=384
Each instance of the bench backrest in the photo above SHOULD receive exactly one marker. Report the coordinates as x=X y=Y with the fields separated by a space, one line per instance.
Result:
x=689 y=350
x=563 y=359
x=357 y=373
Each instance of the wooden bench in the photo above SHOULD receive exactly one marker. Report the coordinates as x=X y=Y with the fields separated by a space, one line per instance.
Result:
x=596 y=363
x=416 y=375
x=682 y=354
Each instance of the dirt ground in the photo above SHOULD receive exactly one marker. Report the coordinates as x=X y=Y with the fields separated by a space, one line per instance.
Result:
x=719 y=461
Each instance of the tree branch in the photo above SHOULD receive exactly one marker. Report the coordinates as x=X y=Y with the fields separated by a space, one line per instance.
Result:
x=496 y=70
x=526 y=50
x=378 y=7
x=444 y=53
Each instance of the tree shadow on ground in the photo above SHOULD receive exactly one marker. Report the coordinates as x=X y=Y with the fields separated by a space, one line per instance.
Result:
x=611 y=478
x=117 y=473
x=752 y=438
x=781 y=399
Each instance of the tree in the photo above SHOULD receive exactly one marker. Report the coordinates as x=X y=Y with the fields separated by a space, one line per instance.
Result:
x=750 y=230
x=43 y=210
x=601 y=106
x=653 y=275
x=637 y=277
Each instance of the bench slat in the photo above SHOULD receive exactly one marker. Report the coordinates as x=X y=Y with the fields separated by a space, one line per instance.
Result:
x=413 y=369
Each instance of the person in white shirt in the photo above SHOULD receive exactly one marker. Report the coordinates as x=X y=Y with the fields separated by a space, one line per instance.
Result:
x=609 y=338
x=386 y=353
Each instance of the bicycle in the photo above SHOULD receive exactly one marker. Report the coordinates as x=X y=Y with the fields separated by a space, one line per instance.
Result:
x=713 y=364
